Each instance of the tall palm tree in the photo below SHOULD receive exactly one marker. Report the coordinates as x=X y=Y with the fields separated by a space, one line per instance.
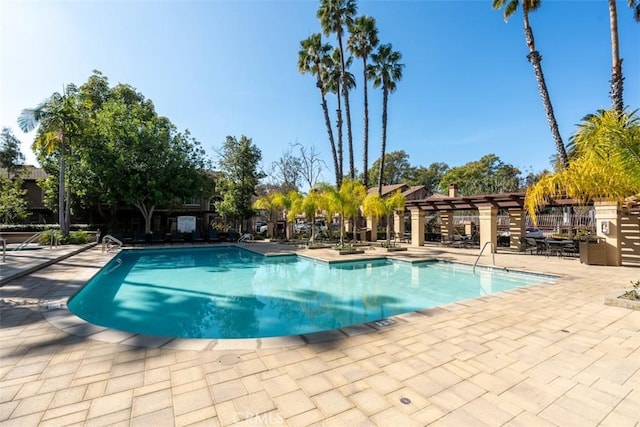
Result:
x=334 y=84
x=616 y=69
x=535 y=59
x=56 y=117
x=385 y=71
x=605 y=162
x=361 y=42
x=334 y=16
x=312 y=58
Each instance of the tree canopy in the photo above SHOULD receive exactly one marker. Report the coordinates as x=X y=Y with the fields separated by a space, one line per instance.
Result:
x=488 y=175
x=239 y=176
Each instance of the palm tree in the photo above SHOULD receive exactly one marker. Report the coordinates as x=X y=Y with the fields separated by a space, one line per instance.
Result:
x=312 y=58
x=334 y=15
x=345 y=202
x=377 y=206
x=286 y=202
x=334 y=80
x=635 y=5
x=605 y=162
x=535 y=59
x=363 y=39
x=616 y=68
x=56 y=117
x=385 y=72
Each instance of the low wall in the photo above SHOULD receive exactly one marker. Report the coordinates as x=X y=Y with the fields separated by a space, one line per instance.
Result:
x=21 y=236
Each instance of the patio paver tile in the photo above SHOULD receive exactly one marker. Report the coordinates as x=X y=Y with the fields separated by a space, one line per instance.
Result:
x=310 y=418
x=279 y=385
x=191 y=401
x=163 y=417
x=332 y=402
x=151 y=402
x=293 y=403
x=205 y=417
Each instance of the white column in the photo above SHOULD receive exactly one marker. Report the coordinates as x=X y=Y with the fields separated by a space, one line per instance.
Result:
x=608 y=227
x=417 y=226
x=488 y=226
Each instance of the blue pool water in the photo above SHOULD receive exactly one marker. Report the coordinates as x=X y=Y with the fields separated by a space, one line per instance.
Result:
x=229 y=292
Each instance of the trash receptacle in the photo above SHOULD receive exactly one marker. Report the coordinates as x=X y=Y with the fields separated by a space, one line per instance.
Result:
x=593 y=251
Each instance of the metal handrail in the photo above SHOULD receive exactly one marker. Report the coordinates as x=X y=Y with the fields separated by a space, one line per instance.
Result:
x=493 y=253
x=29 y=240
x=108 y=242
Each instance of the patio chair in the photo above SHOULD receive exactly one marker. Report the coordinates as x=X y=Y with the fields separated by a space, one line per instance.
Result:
x=528 y=244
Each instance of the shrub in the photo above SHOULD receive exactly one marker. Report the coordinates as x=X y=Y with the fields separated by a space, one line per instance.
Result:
x=50 y=236
x=78 y=238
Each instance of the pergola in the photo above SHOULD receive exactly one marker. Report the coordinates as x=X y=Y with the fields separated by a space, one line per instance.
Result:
x=611 y=220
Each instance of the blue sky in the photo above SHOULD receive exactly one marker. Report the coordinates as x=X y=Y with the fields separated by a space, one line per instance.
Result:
x=223 y=68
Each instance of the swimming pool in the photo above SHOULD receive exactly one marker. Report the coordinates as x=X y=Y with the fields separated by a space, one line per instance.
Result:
x=230 y=292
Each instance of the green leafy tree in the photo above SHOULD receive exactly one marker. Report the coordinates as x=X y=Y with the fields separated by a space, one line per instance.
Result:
x=335 y=16
x=604 y=163
x=238 y=162
x=385 y=71
x=376 y=206
x=312 y=58
x=140 y=159
x=430 y=176
x=534 y=57
x=288 y=202
x=362 y=40
x=11 y=157
x=397 y=169
x=13 y=205
x=489 y=175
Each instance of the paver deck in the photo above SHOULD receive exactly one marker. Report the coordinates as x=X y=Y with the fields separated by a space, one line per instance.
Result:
x=550 y=354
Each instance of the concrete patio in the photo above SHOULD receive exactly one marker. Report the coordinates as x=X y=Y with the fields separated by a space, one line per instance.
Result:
x=550 y=354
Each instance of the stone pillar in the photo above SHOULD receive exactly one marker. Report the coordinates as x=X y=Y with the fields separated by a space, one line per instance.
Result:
x=372 y=226
x=446 y=225
x=417 y=227
x=398 y=223
x=517 y=228
x=488 y=226
x=608 y=227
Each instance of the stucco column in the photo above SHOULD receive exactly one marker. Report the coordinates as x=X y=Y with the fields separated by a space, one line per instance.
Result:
x=608 y=227
x=417 y=227
x=446 y=225
x=372 y=225
x=398 y=223
x=517 y=228
x=488 y=226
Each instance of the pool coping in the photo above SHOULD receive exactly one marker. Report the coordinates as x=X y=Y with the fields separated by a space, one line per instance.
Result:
x=56 y=313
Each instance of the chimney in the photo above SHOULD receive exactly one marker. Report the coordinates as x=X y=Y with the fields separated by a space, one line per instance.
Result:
x=453 y=190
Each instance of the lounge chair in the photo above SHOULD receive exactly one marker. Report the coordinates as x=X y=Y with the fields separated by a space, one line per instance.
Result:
x=176 y=237
x=196 y=237
x=213 y=236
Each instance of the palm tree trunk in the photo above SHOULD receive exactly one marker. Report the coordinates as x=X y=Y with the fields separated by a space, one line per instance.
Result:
x=616 y=69
x=61 y=191
x=535 y=59
x=327 y=121
x=340 y=149
x=345 y=94
x=385 y=98
x=365 y=151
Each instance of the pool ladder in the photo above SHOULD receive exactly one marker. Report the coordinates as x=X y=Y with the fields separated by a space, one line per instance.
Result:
x=109 y=242
x=493 y=253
